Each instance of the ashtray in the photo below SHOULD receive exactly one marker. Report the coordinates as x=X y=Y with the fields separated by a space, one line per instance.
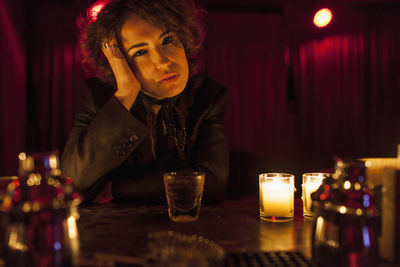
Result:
x=168 y=248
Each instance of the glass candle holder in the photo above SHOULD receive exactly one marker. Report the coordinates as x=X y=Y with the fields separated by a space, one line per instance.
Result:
x=311 y=182
x=276 y=196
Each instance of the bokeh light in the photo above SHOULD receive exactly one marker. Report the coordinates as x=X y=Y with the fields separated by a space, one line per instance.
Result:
x=323 y=17
x=95 y=10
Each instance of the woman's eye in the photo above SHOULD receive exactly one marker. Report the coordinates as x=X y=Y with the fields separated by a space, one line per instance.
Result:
x=139 y=53
x=168 y=40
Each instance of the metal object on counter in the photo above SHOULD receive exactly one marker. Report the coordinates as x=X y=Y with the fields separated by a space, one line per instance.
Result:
x=39 y=214
x=345 y=227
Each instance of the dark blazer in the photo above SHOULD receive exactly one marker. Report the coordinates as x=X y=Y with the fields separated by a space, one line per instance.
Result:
x=110 y=143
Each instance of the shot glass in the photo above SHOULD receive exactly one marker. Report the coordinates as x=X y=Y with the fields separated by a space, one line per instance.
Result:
x=311 y=182
x=184 y=191
x=276 y=196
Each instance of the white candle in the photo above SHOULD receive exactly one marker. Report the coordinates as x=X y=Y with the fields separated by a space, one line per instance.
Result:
x=276 y=196
x=308 y=190
x=311 y=182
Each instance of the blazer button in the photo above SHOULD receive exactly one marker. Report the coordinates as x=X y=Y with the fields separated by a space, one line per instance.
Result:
x=121 y=153
x=134 y=138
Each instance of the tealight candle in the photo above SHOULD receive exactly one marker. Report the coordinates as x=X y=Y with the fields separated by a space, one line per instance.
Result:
x=276 y=196
x=311 y=182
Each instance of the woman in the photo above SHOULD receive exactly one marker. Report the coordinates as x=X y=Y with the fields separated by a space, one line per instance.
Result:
x=147 y=112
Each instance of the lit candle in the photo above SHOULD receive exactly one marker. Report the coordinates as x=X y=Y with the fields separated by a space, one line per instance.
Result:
x=276 y=196
x=311 y=182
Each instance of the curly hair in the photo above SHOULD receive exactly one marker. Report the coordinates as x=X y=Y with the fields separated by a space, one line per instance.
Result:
x=182 y=17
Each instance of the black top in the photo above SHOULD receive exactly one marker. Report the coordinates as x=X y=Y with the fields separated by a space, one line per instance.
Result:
x=110 y=143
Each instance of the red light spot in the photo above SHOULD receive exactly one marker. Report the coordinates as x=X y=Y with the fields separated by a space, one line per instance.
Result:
x=76 y=195
x=68 y=180
x=323 y=17
x=95 y=10
x=16 y=183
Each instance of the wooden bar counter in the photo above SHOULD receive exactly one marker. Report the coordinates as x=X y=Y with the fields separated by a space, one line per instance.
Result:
x=235 y=225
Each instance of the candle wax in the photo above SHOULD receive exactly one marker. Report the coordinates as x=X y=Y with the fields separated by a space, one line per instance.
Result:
x=277 y=199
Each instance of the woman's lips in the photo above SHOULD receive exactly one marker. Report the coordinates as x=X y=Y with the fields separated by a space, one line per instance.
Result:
x=169 y=78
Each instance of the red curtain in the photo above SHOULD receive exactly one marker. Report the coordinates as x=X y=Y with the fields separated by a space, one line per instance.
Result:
x=12 y=87
x=245 y=51
x=55 y=73
x=348 y=86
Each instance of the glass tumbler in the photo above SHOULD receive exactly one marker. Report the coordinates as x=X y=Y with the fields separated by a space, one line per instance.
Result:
x=184 y=191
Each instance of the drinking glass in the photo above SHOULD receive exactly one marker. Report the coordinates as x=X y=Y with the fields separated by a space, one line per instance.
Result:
x=184 y=191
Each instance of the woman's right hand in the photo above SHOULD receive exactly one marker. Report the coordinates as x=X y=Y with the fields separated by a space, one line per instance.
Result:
x=128 y=86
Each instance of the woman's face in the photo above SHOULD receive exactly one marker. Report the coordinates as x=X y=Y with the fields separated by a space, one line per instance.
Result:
x=158 y=58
